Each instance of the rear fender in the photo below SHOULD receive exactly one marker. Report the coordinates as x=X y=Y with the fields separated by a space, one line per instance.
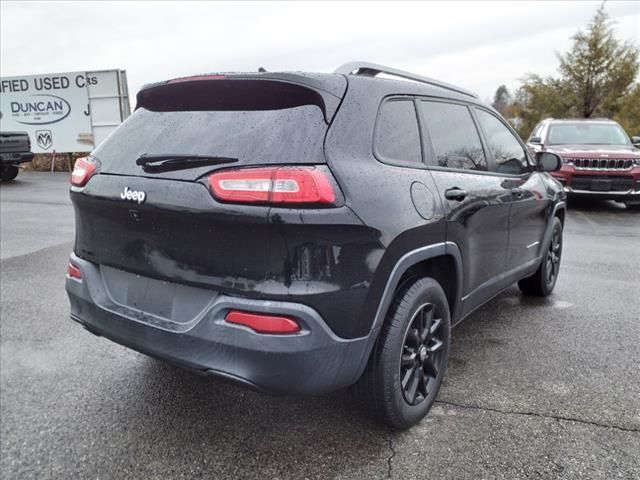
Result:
x=405 y=263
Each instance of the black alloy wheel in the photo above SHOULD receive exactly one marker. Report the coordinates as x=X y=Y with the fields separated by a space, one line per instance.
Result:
x=409 y=360
x=544 y=280
x=422 y=354
x=553 y=256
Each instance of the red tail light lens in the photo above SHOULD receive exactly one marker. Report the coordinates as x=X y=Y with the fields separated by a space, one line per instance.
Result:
x=74 y=272
x=272 y=185
x=263 y=323
x=82 y=171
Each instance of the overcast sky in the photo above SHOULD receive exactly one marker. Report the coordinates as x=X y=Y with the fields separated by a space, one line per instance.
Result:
x=477 y=45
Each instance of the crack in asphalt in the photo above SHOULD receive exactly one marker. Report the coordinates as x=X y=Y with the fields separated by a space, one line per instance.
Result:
x=558 y=419
x=539 y=415
x=390 y=458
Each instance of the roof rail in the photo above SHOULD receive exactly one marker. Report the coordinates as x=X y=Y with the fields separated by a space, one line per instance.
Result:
x=373 y=69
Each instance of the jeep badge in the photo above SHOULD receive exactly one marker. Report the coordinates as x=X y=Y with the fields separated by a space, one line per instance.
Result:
x=133 y=195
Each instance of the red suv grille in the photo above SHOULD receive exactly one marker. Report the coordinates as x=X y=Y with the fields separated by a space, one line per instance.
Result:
x=601 y=183
x=601 y=163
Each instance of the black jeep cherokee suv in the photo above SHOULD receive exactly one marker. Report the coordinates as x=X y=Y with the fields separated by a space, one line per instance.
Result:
x=299 y=233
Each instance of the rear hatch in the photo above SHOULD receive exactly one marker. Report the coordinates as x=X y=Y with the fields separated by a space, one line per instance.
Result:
x=169 y=226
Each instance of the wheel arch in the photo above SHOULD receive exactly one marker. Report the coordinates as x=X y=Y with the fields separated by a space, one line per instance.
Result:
x=561 y=213
x=441 y=261
x=559 y=210
x=442 y=269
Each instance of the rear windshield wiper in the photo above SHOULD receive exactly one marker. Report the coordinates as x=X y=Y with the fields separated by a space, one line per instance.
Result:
x=167 y=162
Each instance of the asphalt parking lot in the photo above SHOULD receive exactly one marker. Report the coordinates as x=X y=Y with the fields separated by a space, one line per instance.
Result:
x=537 y=388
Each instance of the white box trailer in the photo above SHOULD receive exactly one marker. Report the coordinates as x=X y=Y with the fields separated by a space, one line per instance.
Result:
x=108 y=101
x=65 y=112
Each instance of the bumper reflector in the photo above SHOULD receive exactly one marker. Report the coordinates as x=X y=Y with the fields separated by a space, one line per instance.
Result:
x=74 y=272
x=263 y=323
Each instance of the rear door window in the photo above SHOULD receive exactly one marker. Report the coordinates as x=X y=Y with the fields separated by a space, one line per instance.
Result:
x=454 y=137
x=397 y=136
x=509 y=155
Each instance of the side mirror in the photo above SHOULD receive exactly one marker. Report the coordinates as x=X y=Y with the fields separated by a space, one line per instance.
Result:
x=635 y=141
x=535 y=141
x=548 y=162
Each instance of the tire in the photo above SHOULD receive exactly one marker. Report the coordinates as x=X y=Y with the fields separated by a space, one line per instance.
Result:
x=633 y=206
x=544 y=280
x=8 y=173
x=410 y=355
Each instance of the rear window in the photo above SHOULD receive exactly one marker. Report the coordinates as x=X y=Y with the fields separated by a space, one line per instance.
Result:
x=274 y=131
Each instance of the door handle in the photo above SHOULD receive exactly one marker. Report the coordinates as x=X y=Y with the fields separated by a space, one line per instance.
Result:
x=455 y=193
x=517 y=192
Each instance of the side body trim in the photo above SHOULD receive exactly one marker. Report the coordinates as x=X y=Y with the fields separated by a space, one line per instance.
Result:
x=492 y=287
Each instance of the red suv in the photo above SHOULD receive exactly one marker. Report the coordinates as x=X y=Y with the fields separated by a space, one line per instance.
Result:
x=598 y=158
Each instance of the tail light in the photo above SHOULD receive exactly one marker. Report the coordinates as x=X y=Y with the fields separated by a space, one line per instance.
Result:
x=74 y=272
x=82 y=171
x=294 y=185
x=263 y=323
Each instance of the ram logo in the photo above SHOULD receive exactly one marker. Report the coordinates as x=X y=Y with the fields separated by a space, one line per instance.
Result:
x=44 y=139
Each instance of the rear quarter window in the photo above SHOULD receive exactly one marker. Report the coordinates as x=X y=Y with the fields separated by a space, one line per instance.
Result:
x=396 y=135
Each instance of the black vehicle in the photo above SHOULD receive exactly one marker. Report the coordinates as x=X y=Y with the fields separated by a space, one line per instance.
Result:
x=300 y=233
x=15 y=148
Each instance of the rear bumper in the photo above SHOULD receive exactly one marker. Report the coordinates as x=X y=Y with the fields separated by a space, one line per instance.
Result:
x=605 y=184
x=313 y=361
x=15 y=158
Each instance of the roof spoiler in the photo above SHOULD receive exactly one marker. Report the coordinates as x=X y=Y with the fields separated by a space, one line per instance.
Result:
x=238 y=91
